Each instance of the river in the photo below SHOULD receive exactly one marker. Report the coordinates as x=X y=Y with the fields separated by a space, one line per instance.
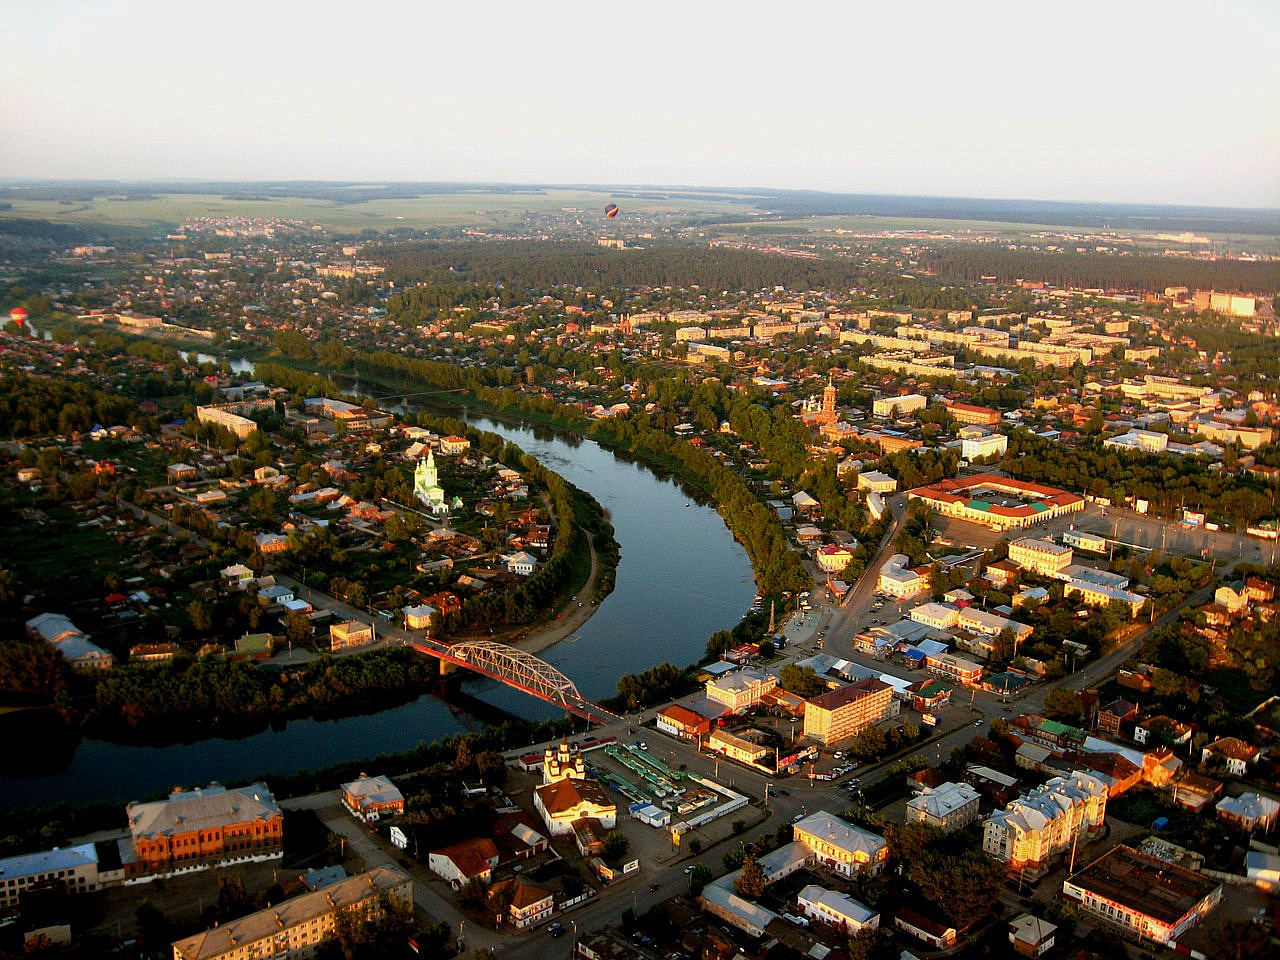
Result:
x=680 y=578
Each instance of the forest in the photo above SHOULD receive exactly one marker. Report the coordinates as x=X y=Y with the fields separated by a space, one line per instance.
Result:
x=956 y=262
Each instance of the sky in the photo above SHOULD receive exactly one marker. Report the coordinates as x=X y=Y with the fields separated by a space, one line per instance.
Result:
x=1127 y=100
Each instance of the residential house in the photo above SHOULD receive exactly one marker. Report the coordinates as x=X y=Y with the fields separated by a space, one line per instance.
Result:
x=926 y=930
x=527 y=904
x=1249 y=811
x=467 y=860
x=1030 y=935
x=899 y=580
x=835 y=909
x=197 y=828
x=682 y=722
x=947 y=807
x=740 y=690
x=420 y=616
x=1162 y=729
x=1154 y=899
x=1114 y=715
x=1238 y=755
x=1027 y=833
x=349 y=633
x=371 y=798
x=845 y=848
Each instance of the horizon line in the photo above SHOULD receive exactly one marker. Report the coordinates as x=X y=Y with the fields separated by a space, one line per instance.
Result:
x=11 y=180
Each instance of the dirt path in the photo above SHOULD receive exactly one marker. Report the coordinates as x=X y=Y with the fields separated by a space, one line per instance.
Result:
x=571 y=616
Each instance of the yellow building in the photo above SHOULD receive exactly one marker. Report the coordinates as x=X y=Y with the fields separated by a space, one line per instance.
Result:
x=1040 y=556
x=846 y=849
x=740 y=690
x=842 y=713
x=295 y=927
x=735 y=748
x=352 y=633
x=1026 y=834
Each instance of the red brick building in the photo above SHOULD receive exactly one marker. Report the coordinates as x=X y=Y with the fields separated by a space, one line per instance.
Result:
x=203 y=827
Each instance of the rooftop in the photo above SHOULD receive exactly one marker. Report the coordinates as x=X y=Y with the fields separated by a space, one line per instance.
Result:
x=208 y=807
x=1152 y=887
x=47 y=861
x=288 y=913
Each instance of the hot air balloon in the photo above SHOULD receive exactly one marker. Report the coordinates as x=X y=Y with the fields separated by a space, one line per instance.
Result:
x=611 y=210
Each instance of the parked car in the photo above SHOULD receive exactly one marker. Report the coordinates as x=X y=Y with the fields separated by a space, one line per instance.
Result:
x=555 y=929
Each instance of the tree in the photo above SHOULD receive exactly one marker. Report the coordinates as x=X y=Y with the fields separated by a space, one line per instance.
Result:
x=868 y=944
x=964 y=887
x=802 y=681
x=614 y=846
x=750 y=882
x=868 y=744
x=463 y=759
x=297 y=628
x=1064 y=705
x=700 y=877
x=233 y=899
x=474 y=892
x=719 y=643
x=201 y=617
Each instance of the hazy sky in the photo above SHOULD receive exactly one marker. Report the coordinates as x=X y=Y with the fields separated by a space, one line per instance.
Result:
x=1123 y=100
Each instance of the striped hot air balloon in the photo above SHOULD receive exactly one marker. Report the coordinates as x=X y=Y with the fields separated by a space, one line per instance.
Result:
x=611 y=210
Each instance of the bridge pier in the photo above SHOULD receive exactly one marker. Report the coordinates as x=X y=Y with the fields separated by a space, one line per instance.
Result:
x=447 y=667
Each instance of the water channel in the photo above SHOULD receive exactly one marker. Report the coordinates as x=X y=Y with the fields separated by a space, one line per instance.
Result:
x=681 y=577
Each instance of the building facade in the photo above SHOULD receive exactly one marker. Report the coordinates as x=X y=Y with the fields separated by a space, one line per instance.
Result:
x=844 y=712
x=192 y=829
x=947 y=807
x=846 y=849
x=1141 y=895
x=1046 y=821
x=294 y=928
x=372 y=798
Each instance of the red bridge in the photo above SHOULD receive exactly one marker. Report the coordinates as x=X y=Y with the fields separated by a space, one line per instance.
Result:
x=517 y=669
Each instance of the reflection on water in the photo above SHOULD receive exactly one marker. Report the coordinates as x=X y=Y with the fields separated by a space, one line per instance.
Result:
x=680 y=578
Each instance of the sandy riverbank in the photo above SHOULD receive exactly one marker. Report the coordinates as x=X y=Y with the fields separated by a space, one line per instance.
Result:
x=570 y=617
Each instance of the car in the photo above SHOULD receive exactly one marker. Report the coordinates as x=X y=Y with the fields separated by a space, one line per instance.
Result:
x=555 y=929
x=838 y=755
x=642 y=745
x=797 y=818
x=794 y=720
x=784 y=792
x=978 y=722
x=1006 y=709
x=854 y=782
x=653 y=887
x=689 y=868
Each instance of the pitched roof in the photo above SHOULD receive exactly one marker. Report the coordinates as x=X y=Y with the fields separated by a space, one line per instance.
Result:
x=289 y=913
x=564 y=795
x=202 y=809
x=523 y=895
x=472 y=856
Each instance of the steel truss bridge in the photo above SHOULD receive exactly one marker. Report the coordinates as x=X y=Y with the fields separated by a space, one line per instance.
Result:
x=518 y=669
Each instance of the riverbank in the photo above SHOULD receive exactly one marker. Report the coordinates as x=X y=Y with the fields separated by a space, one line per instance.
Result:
x=571 y=617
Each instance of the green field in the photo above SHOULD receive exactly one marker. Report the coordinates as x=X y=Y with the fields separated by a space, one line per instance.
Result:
x=479 y=209
x=504 y=211
x=833 y=227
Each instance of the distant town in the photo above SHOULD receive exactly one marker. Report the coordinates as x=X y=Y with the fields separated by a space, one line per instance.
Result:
x=1007 y=685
